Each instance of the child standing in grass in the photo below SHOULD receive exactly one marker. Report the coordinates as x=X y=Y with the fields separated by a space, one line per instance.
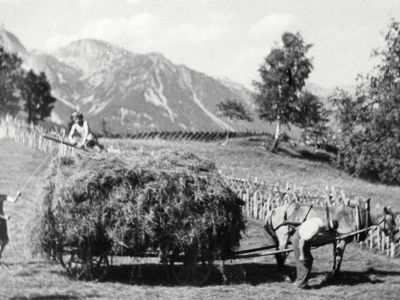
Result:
x=3 y=220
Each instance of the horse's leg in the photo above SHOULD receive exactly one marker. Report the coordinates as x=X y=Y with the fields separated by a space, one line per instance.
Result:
x=339 y=257
x=283 y=240
x=3 y=244
x=334 y=256
x=221 y=269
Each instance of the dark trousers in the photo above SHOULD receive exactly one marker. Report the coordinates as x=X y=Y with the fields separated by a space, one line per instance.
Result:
x=303 y=268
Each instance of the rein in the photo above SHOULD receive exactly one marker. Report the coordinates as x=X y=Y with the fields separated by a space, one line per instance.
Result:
x=344 y=236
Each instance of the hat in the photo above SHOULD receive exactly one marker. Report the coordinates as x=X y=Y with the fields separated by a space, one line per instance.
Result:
x=333 y=224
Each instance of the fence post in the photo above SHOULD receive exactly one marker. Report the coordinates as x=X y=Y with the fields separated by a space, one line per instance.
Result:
x=392 y=249
x=255 y=204
x=378 y=238
x=334 y=195
x=371 y=239
x=387 y=240
x=247 y=202
x=262 y=207
x=343 y=195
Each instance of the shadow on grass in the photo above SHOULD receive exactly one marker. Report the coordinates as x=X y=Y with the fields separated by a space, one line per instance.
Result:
x=316 y=156
x=351 y=278
x=164 y=275
x=234 y=272
x=306 y=153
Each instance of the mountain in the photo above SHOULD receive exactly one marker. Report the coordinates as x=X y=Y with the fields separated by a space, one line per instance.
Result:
x=129 y=91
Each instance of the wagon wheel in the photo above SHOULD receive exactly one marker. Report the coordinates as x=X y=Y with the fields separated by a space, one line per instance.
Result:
x=100 y=267
x=193 y=273
x=73 y=263
x=192 y=270
x=84 y=266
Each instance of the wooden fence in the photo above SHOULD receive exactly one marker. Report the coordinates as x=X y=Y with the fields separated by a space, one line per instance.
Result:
x=260 y=198
x=32 y=136
x=203 y=136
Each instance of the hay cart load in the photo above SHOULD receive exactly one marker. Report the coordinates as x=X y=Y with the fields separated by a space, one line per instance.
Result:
x=170 y=204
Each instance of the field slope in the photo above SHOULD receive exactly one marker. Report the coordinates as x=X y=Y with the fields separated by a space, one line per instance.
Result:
x=22 y=276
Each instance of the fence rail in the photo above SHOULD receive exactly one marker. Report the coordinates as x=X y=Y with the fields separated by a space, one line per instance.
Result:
x=260 y=198
x=204 y=136
x=32 y=136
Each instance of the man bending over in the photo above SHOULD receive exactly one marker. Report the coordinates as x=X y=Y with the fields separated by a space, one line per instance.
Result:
x=301 y=242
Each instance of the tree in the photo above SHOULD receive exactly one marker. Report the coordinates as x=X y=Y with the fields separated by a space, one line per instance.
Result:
x=283 y=75
x=370 y=120
x=36 y=92
x=232 y=109
x=313 y=118
x=104 y=128
x=11 y=75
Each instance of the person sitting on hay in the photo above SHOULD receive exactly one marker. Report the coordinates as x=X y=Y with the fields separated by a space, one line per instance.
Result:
x=3 y=220
x=80 y=134
x=301 y=242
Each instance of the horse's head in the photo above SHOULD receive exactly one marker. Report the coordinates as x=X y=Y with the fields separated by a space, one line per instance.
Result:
x=388 y=223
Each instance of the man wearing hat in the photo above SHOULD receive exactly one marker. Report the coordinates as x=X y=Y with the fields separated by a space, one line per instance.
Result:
x=301 y=242
x=80 y=134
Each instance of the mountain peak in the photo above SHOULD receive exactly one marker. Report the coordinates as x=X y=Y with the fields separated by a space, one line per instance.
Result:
x=89 y=55
x=11 y=43
x=89 y=46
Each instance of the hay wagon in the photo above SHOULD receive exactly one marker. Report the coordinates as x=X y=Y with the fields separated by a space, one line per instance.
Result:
x=170 y=205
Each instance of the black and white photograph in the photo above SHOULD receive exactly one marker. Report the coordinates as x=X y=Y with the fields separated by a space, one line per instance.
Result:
x=199 y=149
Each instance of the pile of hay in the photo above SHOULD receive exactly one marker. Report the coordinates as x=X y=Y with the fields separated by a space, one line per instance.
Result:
x=128 y=205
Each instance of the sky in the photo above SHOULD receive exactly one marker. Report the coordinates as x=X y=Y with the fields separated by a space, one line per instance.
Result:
x=222 y=38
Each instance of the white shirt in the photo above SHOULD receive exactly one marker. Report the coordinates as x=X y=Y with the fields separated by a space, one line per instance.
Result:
x=80 y=131
x=311 y=227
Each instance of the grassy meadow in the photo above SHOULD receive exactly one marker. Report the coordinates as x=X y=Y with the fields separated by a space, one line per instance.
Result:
x=365 y=275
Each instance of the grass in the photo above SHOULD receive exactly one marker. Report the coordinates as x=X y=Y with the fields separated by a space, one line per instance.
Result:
x=365 y=275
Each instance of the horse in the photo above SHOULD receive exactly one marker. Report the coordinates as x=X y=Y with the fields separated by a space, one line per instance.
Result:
x=282 y=221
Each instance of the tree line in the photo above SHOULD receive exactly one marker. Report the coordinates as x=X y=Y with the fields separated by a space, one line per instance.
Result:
x=22 y=90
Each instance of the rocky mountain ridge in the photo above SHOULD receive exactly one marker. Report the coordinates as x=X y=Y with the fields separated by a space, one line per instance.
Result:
x=128 y=91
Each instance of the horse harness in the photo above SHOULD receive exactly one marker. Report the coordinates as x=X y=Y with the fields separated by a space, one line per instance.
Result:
x=291 y=225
